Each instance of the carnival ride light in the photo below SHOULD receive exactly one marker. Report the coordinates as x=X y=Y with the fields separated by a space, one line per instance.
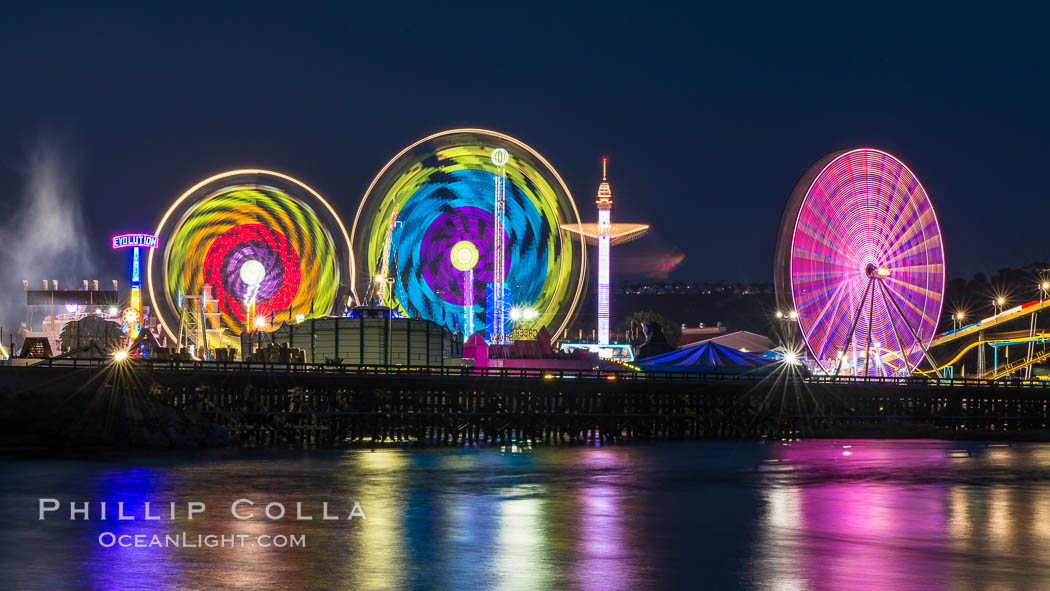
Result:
x=860 y=275
x=442 y=190
x=253 y=272
x=266 y=243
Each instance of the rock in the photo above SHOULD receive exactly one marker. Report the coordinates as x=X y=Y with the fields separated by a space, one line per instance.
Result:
x=158 y=441
x=133 y=414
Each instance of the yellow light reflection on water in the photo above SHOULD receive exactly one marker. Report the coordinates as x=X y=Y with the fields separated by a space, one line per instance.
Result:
x=523 y=555
x=376 y=551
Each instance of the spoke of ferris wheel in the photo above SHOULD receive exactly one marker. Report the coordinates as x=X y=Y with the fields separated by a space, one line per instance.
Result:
x=896 y=333
x=914 y=335
x=853 y=328
x=871 y=322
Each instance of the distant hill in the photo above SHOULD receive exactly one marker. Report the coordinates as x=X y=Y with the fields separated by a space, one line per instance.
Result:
x=752 y=306
x=753 y=312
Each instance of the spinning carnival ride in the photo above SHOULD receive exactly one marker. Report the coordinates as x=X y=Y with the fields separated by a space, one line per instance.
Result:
x=247 y=248
x=860 y=259
x=424 y=238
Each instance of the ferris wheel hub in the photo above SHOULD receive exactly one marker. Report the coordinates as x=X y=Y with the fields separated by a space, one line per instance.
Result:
x=882 y=271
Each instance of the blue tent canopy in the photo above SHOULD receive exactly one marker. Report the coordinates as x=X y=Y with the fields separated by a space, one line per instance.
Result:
x=707 y=357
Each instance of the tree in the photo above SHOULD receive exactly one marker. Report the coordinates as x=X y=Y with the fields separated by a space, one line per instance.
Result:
x=672 y=331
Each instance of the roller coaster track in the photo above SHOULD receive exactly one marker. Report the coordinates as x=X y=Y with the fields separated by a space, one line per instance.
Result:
x=1016 y=365
x=987 y=323
x=1039 y=337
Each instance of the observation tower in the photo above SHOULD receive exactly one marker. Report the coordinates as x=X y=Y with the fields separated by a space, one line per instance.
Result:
x=605 y=234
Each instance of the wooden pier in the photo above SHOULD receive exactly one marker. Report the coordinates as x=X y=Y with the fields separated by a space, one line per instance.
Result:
x=333 y=406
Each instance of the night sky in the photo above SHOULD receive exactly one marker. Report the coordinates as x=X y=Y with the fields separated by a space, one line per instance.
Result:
x=708 y=114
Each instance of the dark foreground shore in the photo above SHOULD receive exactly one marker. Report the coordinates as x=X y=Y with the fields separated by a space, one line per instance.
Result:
x=56 y=421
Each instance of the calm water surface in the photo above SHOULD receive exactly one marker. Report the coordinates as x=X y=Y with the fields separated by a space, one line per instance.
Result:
x=807 y=515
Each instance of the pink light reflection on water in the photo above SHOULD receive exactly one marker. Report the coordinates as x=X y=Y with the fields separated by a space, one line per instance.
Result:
x=836 y=521
x=603 y=554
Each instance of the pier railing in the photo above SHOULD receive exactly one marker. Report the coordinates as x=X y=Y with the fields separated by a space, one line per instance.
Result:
x=792 y=373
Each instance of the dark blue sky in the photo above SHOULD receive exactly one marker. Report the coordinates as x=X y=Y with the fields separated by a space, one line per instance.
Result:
x=709 y=114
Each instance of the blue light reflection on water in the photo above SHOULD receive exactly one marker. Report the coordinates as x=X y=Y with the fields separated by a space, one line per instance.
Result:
x=130 y=567
x=806 y=515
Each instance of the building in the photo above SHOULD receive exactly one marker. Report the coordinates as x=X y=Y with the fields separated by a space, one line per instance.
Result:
x=363 y=341
x=535 y=353
x=48 y=310
x=741 y=340
x=696 y=334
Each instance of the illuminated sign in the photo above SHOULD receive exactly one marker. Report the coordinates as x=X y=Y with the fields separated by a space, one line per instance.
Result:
x=129 y=240
x=615 y=351
x=523 y=334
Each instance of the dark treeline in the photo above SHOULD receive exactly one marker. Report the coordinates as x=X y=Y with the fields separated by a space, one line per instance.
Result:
x=974 y=297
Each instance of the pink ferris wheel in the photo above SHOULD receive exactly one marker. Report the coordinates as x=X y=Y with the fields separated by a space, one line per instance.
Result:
x=860 y=264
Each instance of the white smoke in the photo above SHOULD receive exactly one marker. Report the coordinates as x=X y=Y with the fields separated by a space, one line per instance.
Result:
x=43 y=234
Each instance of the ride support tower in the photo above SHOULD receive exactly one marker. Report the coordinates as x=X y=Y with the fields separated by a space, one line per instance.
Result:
x=604 y=203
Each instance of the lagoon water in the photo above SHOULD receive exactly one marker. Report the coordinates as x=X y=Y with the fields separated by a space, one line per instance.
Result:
x=818 y=514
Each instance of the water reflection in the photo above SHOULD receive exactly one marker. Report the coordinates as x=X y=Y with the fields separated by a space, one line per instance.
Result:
x=524 y=561
x=125 y=492
x=824 y=515
x=604 y=544
x=903 y=515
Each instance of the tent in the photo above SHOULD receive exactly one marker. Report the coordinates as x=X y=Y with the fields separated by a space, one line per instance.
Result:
x=708 y=357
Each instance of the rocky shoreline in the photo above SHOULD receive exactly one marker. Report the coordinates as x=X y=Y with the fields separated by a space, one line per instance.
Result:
x=100 y=418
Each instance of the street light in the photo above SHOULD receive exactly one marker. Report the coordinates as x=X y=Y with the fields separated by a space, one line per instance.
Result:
x=793 y=315
x=957 y=319
x=780 y=314
x=1044 y=287
x=260 y=324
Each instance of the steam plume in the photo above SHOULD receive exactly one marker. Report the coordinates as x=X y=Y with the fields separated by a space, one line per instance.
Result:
x=43 y=235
